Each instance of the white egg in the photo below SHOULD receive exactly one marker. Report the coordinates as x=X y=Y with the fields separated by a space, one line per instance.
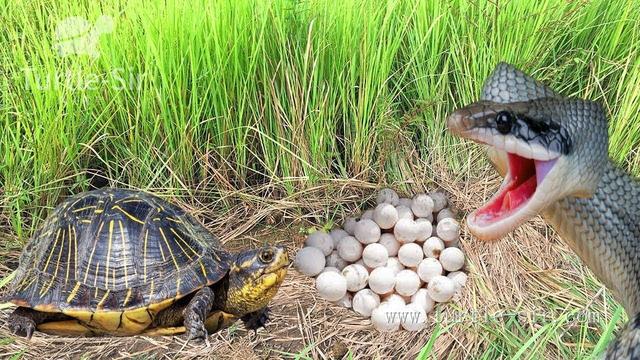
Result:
x=432 y=247
x=309 y=261
x=385 y=215
x=330 y=269
x=405 y=231
x=382 y=280
x=385 y=317
x=345 y=301
x=356 y=275
x=368 y=214
x=448 y=230
x=388 y=196
x=394 y=264
x=415 y=318
x=364 y=301
x=422 y=205
x=429 y=268
x=459 y=278
x=320 y=240
x=394 y=298
x=404 y=212
x=441 y=288
x=335 y=260
x=439 y=200
x=407 y=283
x=361 y=263
x=422 y=298
x=331 y=286
x=404 y=202
x=350 y=225
x=445 y=213
x=452 y=259
x=390 y=243
x=336 y=235
x=367 y=231
x=424 y=229
x=410 y=254
x=349 y=249
x=375 y=255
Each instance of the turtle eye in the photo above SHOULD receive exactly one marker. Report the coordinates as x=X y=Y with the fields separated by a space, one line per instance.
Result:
x=266 y=256
x=504 y=120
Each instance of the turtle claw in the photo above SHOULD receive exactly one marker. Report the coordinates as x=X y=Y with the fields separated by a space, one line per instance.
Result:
x=21 y=325
x=199 y=334
x=196 y=330
x=256 y=320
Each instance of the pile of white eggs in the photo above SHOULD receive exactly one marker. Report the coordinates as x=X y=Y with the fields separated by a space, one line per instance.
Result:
x=393 y=264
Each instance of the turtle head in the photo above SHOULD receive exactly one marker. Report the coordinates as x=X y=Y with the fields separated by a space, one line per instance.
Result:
x=254 y=278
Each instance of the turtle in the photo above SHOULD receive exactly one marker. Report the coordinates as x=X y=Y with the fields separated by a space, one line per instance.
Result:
x=125 y=262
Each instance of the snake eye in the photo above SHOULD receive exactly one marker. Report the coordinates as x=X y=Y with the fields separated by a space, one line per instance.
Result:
x=504 y=120
x=266 y=256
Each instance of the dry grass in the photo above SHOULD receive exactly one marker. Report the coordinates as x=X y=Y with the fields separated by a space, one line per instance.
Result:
x=528 y=274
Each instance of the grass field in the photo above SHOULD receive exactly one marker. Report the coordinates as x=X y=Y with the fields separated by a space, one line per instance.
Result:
x=290 y=113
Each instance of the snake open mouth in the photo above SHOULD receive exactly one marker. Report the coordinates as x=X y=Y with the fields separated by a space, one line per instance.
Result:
x=509 y=206
x=531 y=168
x=521 y=183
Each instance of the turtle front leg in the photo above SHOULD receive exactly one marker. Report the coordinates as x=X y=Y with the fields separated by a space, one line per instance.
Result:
x=196 y=313
x=23 y=321
x=257 y=319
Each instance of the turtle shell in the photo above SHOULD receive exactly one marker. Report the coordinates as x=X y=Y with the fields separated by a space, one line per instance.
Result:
x=114 y=258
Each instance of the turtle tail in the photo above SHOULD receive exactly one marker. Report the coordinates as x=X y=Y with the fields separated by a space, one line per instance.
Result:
x=627 y=345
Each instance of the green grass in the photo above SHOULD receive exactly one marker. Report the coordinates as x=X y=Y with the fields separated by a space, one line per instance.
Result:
x=294 y=90
x=298 y=91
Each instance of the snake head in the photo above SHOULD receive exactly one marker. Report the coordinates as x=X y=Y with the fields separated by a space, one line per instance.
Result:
x=546 y=147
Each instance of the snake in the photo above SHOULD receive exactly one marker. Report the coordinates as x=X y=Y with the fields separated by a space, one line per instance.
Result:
x=552 y=152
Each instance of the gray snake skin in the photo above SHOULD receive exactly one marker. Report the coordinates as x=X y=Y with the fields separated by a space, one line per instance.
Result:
x=594 y=206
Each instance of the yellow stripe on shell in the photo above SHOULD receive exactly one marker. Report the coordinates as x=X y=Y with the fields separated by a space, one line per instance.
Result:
x=129 y=201
x=66 y=276
x=95 y=242
x=83 y=209
x=127 y=214
x=106 y=273
x=75 y=249
x=46 y=265
x=175 y=233
x=73 y=293
x=169 y=248
x=144 y=258
x=55 y=273
x=104 y=298
x=178 y=242
x=127 y=298
x=124 y=254
x=204 y=271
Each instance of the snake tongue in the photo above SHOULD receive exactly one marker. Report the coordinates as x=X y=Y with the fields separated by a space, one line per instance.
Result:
x=514 y=198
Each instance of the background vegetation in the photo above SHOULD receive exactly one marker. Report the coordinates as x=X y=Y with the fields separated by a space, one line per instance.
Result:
x=295 y=90
x=209 y=97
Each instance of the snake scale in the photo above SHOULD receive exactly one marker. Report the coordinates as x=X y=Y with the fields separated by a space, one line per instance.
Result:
x=553 y=154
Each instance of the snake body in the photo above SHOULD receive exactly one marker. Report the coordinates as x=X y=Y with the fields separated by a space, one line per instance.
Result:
x=557 y=146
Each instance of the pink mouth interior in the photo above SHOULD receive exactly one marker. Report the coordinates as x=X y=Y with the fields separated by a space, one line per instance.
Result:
x=524 y=177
